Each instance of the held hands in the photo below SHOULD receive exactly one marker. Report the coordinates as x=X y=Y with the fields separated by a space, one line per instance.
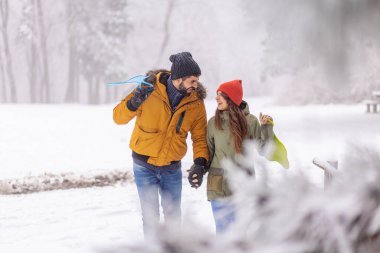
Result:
x=139 y=96
x=196 y=173
x=265 y=119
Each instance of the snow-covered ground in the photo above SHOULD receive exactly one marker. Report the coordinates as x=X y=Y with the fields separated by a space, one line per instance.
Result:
x=35 y=139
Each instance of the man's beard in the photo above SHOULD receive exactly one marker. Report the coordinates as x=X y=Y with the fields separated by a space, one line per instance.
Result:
x=183 y=90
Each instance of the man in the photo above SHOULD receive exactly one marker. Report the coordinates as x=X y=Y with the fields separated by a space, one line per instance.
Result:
x=164 y=116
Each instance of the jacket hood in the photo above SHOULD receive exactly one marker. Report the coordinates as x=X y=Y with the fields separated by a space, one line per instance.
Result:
x=201 y=91
x=244 y=106
x=162 y=74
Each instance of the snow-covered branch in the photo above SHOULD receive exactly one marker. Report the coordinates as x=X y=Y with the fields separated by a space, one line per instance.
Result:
x=290 y=214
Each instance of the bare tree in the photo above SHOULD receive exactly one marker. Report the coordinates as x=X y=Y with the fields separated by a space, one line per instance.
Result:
x=165 y=41
x=100 y=47
x=28 y=35
x=44 y=54
x=94 y=90
x=3 y=97
x=73 y=72
x=33 y=66
x=4 y=13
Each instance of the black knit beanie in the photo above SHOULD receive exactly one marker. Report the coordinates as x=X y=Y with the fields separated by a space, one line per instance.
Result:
x=183 y=65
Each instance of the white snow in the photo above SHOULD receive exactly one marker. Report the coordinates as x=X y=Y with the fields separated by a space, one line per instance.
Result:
x=37 y=139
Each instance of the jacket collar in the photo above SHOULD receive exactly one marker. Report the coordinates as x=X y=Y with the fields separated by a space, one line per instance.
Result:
x=244 y=106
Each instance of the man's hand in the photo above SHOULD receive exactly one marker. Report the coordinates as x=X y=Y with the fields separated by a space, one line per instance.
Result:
x=265 y=119
x=196 y=173
x=139 y=96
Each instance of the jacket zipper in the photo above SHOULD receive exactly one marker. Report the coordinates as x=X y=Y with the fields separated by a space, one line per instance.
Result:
x=176 y=109
x=180 y=120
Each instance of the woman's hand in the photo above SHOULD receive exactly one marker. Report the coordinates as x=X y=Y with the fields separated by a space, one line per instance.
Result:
x=265 y=119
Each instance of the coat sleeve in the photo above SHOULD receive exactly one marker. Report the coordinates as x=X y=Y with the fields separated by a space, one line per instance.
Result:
x=121 y=113
x=263 y=135
x=198 y=134
x=267 y=133
x=269 y=145
x=210 y=142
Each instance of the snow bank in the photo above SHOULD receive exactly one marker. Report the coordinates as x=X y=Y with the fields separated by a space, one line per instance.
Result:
x=50 y=181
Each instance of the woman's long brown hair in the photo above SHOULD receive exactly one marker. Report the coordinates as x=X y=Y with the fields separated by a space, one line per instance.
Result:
x=238 y=122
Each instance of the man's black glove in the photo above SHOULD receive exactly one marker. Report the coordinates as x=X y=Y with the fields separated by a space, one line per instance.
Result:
x=139 y=96
x=196 y=172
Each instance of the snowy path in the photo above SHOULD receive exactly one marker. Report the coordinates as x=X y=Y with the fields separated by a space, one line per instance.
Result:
x=80 y=220
x=84 y=140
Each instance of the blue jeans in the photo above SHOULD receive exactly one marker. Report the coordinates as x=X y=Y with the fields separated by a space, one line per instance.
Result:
x=152 y=181
x=224 y=214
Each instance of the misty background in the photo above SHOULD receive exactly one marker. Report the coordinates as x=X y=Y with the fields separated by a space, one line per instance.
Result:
x=65 y=51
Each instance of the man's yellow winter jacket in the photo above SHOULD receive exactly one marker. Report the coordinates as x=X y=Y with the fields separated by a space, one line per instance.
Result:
x=159 y=133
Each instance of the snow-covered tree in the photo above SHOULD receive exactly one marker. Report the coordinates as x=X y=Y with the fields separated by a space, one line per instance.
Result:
x=100 y=36
x=301 y=51
x=319 y=46
x=8 y=61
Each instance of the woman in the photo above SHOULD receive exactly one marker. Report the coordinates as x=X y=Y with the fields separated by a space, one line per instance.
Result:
x=226 y=131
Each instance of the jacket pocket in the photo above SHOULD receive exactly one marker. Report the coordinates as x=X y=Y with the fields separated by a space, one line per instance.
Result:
x=218 y=183
x=215 y=183
x=148 y=142
x=146 y=130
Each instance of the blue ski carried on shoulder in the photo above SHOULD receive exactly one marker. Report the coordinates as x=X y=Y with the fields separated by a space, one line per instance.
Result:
x=140 y=80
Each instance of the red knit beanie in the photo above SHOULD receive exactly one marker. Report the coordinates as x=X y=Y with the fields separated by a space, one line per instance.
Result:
x=233 y=89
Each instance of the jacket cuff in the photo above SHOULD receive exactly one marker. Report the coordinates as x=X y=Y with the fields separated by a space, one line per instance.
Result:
x=200 y=161
x=130 y=106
